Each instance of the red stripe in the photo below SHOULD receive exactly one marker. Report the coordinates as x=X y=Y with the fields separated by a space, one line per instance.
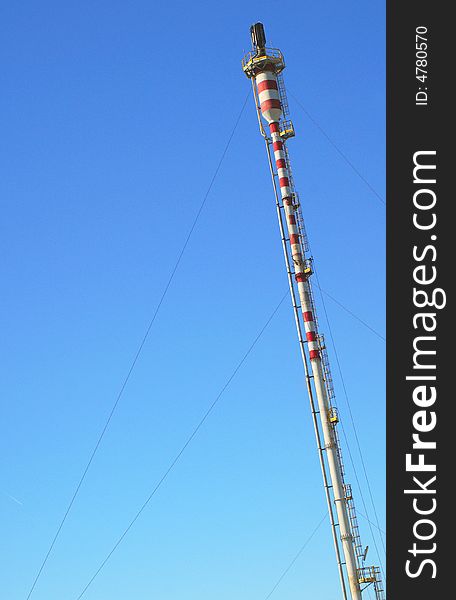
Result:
x=292 y=219
x=274 y=127
x=311 y=337
x=314 y=354
x=294 y=238
x=299 y=277
x=283 y=181
x=308 y=316
x=268 y=104
x=267 y=84
x=281 y=164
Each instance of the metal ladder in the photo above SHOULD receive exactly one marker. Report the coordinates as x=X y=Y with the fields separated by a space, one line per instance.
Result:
x=296 y=204
x=359 y=552
x=283 y=94
x=333 y=412
x=371 y=575
x=366 y=575
x=326 y=368
x=300 y=223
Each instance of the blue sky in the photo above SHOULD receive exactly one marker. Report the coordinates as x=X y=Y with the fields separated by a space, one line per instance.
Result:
x=114 y=116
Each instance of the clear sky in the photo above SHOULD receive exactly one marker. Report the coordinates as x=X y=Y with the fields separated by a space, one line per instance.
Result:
x=114 y=117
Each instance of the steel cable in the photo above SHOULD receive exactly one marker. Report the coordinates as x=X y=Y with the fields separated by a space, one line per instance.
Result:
x=356 y=438
x=138 y=353
x=182 y=450
x=295 y=558
x=336 y=147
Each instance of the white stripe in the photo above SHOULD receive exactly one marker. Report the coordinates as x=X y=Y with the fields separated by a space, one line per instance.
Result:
x=285 y=191
x=307 y=328
x=293 y=230
x=268 y=95
x=265 y=76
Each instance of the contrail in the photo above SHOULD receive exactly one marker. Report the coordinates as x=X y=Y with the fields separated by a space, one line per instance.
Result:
x=13 y=499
